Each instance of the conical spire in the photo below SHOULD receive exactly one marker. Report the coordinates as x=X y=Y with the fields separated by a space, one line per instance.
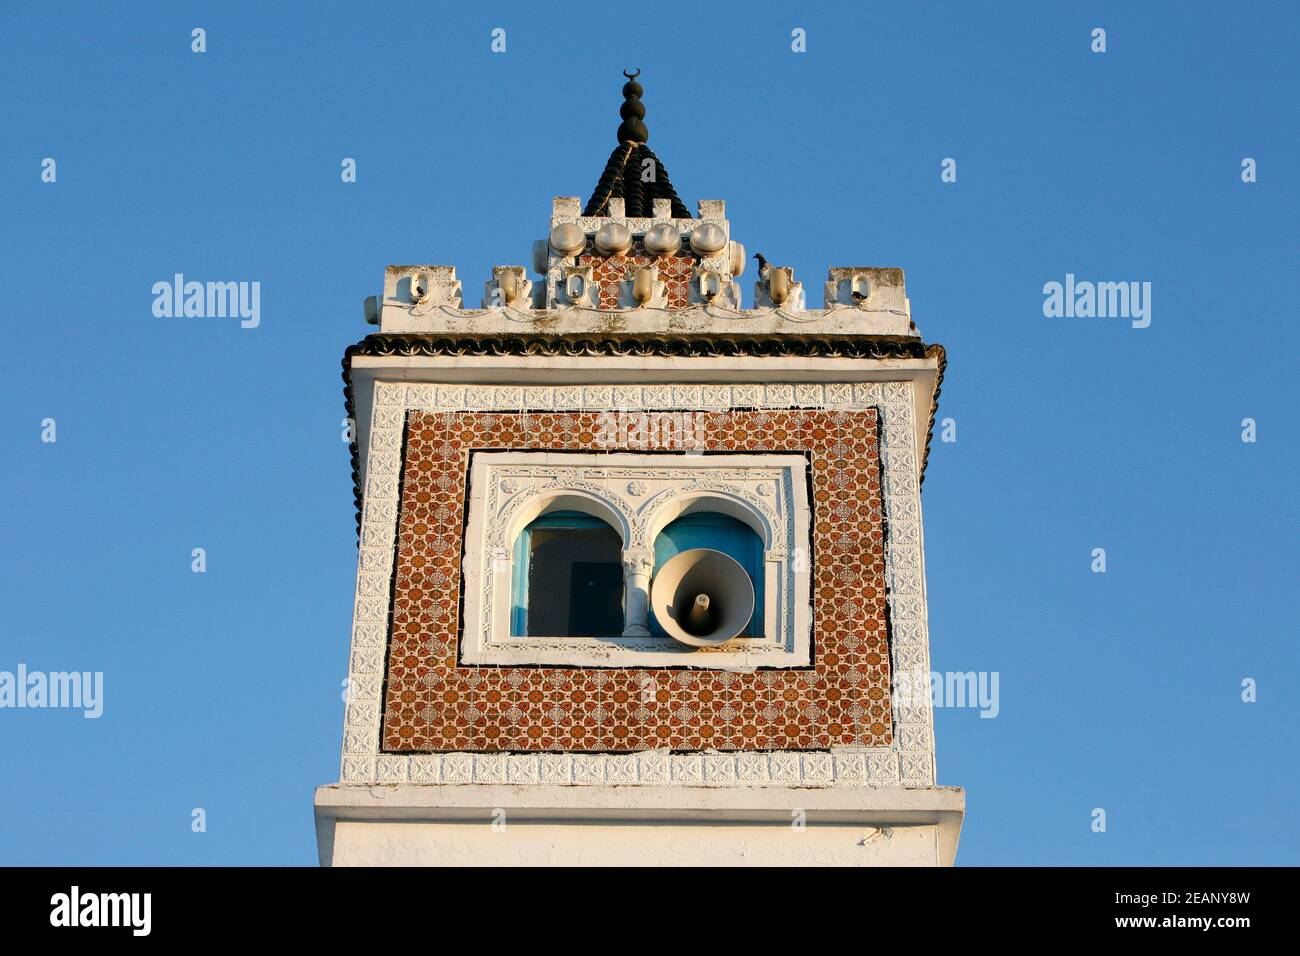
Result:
x=633 y=173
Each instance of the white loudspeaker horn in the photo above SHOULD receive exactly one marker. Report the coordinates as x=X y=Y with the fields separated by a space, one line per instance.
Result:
x=702 y=597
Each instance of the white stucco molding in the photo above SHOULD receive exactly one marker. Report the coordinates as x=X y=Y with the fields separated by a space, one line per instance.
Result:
x=405 y=318
x=632 y=382
x=908 y=762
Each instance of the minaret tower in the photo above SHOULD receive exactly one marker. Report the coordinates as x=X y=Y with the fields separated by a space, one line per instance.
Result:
x=641 y=566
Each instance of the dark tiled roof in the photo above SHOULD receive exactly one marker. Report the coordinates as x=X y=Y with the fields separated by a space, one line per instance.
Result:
x=622 y=180
x=633 y=173
x=863 y=347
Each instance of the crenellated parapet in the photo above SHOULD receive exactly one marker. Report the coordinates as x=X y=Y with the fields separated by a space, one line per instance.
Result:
x=642 y=274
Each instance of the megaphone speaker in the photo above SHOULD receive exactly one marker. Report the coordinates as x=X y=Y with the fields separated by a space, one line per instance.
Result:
x=702 y=597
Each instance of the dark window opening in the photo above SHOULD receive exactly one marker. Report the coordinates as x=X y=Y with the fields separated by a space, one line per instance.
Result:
x=567 y=578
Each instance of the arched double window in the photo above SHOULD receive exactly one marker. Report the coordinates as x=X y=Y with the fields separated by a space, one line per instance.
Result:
x=567 y=573
x=563 y=553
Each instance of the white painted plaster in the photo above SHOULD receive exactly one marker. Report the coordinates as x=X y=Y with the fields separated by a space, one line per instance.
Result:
x=543 y=825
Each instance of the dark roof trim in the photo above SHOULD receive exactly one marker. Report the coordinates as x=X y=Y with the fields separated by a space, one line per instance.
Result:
x=625 y=178
x=860 y=347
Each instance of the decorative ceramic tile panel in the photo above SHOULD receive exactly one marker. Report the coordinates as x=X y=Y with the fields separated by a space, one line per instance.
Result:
x=610 y=272
x=603 y=725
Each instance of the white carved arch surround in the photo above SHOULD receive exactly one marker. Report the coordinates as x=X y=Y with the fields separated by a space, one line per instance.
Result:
x=637 y=495
x=529 y=505
x=671 y=504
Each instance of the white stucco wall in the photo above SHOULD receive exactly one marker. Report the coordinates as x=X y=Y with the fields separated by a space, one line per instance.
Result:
x=636 y=826
x=630 y=844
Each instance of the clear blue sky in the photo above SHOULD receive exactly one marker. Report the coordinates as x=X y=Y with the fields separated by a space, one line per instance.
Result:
x=1118 y=690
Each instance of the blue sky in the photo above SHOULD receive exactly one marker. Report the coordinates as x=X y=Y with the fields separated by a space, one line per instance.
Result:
x=222 y=690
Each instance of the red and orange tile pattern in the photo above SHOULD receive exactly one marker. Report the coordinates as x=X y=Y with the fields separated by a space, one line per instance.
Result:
x=434 y=704
x=609 y=272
